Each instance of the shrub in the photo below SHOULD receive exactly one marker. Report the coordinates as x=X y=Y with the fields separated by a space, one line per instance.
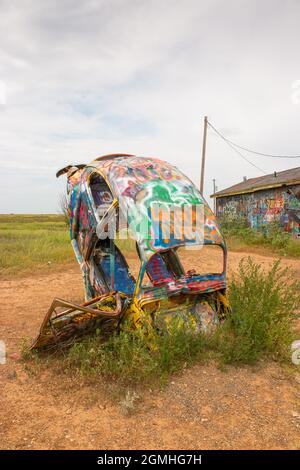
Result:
x=276 y=236
x=272 y=237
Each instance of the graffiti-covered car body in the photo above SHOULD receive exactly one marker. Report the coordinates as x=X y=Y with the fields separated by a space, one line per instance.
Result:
x=153 y=204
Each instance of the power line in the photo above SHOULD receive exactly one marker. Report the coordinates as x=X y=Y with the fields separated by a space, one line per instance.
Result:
x=235 y=150
x=249 y=150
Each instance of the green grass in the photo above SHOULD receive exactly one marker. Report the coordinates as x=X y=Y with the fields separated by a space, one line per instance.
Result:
x=264 y=308
x=30 y=241
x=265 y=305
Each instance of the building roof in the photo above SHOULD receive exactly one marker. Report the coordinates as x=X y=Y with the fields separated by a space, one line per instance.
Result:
x=274 y=180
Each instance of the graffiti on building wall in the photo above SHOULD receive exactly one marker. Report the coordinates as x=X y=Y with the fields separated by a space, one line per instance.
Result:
x=262 y=207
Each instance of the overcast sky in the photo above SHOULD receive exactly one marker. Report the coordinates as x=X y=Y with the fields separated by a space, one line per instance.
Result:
x=79 y=79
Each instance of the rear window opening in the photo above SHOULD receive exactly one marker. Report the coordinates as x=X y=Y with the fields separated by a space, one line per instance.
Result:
x=101 y=194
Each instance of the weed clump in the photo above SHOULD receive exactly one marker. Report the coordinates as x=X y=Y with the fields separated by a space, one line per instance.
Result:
x=264 y=306
x=133 y=357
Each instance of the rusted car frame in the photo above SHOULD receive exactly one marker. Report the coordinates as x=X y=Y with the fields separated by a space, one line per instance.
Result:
x=124 y=191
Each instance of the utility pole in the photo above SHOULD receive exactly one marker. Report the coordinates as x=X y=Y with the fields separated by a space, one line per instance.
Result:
x=215 y=201
x=203 y=155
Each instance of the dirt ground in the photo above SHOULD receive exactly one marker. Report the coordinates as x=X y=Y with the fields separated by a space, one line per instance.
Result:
x=202 y=408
